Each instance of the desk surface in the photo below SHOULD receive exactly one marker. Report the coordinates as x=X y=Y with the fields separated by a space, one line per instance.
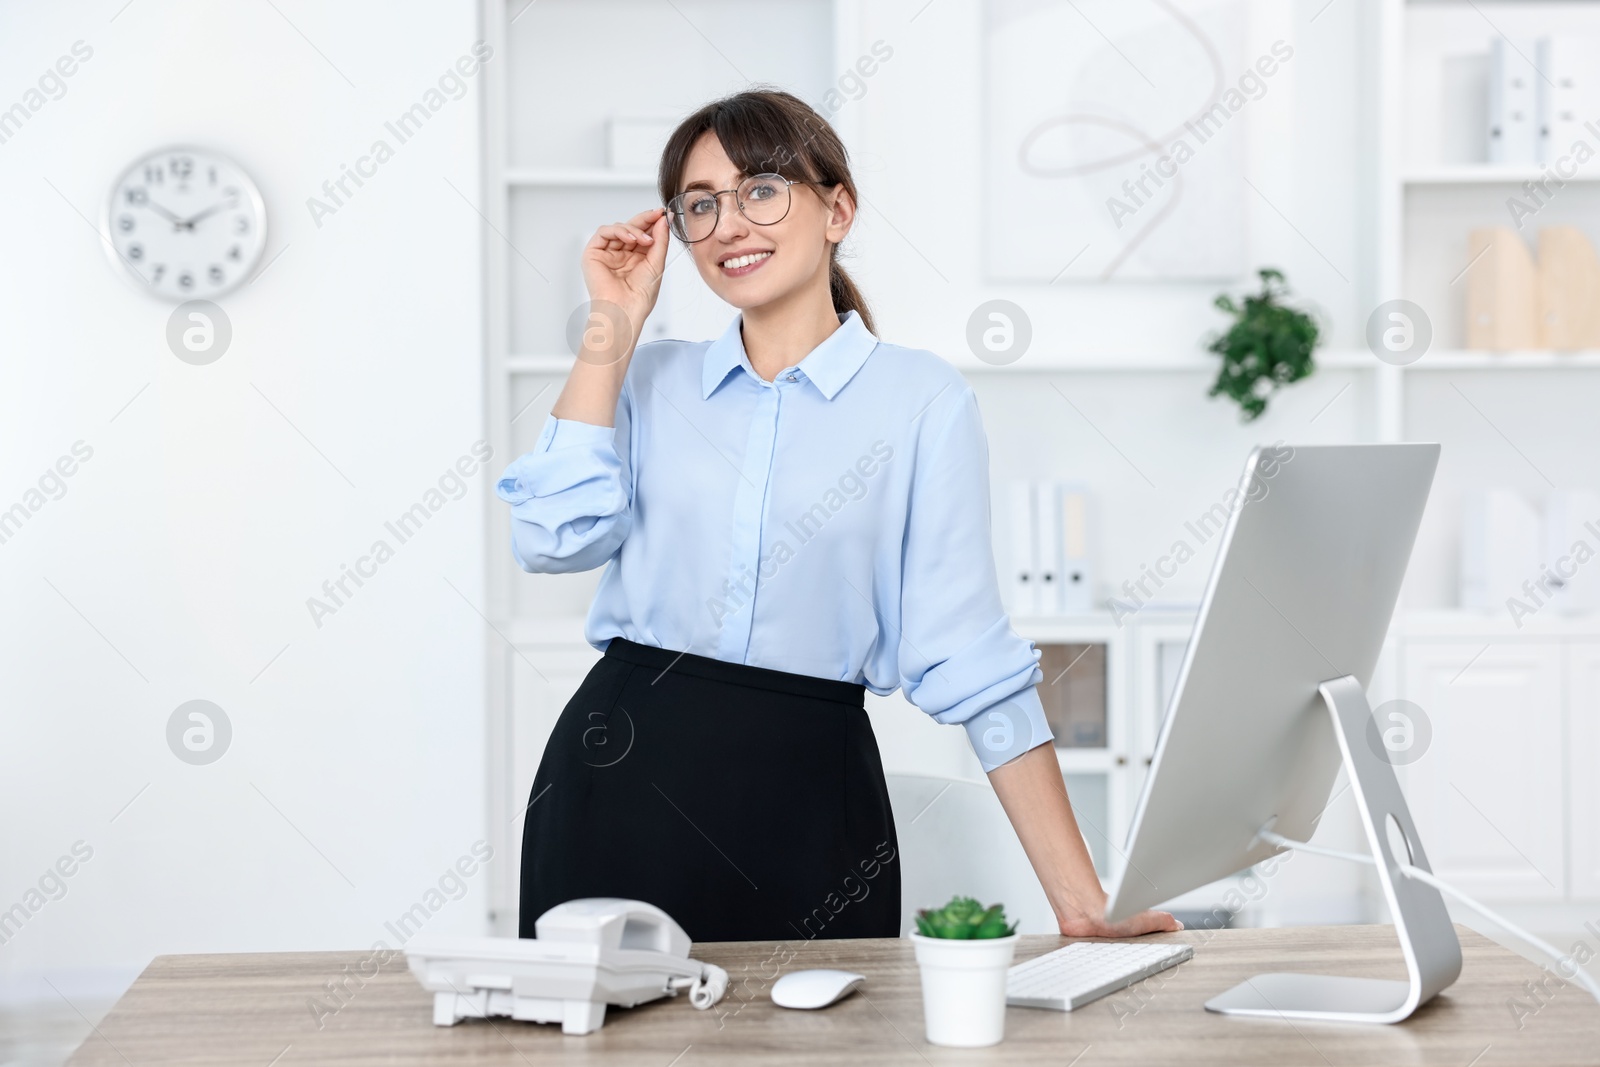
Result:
x=257 y=1010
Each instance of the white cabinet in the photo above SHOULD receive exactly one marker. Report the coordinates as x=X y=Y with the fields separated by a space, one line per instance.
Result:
x=1505 y=795
x=543 y=679
x=1161 y=645
x=1084 y=692
x=1488 y=792
x=543 y=671
x=1583 y=766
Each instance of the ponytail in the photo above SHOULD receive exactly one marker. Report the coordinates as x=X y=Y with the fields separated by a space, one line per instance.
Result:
x=846 y=296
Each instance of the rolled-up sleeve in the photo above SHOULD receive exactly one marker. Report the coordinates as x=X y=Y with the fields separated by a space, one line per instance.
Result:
x=571 y=497
x=959 y=659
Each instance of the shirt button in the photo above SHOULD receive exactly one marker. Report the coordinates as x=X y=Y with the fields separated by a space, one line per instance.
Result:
x=790 y=378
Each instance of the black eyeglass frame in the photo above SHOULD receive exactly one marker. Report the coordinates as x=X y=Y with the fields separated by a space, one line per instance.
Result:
x=675 y=207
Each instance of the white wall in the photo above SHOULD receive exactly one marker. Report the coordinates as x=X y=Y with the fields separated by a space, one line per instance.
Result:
x=920 y=159
x=178 y=562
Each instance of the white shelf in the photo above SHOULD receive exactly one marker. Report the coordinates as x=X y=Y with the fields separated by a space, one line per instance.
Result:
x=1495 y=625
x=1350 y=360
x=1192 y=363
x=1337 y=359
x=543 y=363
x=1542 y=359
x=1487 y=174
x=579 y=177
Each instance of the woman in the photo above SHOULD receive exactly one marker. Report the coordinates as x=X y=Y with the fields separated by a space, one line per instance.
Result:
x=790 y=515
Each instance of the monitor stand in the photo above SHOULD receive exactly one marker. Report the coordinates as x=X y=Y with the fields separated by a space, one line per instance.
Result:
x=1427 y=936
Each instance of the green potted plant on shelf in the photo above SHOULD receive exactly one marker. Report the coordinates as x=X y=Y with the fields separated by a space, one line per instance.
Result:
x=963 y=952
x=1268 y=346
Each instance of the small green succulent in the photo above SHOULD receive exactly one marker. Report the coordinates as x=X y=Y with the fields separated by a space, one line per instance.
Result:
x=964 y=919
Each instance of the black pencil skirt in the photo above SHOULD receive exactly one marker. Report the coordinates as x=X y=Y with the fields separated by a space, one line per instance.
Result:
x=747 y=803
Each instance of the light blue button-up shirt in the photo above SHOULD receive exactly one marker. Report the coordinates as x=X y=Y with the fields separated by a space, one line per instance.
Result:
x=833 y=522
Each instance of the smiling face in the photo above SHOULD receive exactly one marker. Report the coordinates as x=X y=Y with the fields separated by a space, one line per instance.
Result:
x=749 y=265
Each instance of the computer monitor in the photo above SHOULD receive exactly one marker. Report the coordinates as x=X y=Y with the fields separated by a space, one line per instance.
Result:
x=1269 y=704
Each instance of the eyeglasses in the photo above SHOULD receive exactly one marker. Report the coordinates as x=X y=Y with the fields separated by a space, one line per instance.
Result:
x=762 y=198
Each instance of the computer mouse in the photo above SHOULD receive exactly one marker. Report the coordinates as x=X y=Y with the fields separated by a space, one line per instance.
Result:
x=813 y=989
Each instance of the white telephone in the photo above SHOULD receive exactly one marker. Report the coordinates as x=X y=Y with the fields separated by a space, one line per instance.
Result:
x=588 y=953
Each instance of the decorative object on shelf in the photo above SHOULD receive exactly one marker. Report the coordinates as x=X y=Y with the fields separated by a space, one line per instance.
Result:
x=1501 y=542
x=187 y=223
x=1514 y=558
x=1572 y=545
x=1514 y=303
x=1569 y=289
x=1141 y=183
x=963 y=952
x=1051 y=566
x=1268 y=346
x=635 y=142
x=1502 y=299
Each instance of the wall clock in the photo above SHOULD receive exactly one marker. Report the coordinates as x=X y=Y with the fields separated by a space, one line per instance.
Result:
x=186 y=223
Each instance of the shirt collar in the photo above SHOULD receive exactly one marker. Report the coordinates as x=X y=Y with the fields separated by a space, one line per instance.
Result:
x=829 y=366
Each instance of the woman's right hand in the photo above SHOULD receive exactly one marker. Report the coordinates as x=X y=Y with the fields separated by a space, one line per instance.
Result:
x=622 y=265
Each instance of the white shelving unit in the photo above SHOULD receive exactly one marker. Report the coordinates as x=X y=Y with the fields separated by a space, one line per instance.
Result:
x=547 y=185
x=1498 y=796
x=578 y=178
x=1483 y=174
x=1434 y=178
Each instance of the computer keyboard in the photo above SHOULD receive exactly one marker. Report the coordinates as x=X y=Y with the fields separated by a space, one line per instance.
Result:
x=1071 y=977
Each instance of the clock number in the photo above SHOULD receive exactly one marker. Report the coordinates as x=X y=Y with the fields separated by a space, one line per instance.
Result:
x=182 y=187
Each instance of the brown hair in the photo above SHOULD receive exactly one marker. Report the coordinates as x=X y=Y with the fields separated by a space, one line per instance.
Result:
x=768 y=131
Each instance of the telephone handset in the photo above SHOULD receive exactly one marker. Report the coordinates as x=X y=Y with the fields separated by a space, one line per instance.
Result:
x=587 y=954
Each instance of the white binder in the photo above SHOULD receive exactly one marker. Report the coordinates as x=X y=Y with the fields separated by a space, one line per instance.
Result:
x=1501 y=543
x=1077 y=572
x=1572 y=540
x=1513 y=102
x=1047 y=546
x=1566 y=94
x=1022 y=588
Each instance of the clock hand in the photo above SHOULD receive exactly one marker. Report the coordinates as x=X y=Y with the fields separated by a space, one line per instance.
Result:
x=158 y=209
x=212 y=210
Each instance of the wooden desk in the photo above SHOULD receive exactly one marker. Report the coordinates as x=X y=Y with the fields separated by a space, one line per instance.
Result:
x=254 y=1010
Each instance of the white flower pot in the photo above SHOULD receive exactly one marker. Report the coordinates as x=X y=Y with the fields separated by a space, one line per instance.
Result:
x=964 y=989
